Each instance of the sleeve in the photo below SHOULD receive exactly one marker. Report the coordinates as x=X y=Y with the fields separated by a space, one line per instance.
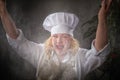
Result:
x=28 y=50
x=92 y=58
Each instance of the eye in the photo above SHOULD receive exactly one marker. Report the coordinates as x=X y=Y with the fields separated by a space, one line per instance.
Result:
x=55 y=36
x=65 y=36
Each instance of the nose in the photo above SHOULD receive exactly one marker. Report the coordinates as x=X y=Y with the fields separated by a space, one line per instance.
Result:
x=59 y=40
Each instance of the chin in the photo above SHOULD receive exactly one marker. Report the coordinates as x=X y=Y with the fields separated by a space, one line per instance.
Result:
x=60 y=52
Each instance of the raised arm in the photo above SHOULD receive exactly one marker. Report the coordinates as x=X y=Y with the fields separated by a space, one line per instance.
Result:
x=8 y=23
x=102 y=34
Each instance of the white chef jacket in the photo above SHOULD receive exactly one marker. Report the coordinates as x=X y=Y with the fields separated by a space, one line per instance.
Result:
x=85 y=60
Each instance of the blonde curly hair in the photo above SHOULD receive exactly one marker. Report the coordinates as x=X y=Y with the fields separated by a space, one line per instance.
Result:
x=74 y=46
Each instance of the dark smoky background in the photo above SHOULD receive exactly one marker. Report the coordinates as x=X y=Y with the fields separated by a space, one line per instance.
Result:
x=29 y=16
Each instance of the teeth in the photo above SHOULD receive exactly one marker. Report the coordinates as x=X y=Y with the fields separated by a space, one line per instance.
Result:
x=60 y=47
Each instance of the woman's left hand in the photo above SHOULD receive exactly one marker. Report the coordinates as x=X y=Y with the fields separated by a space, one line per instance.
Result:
x=105 y=5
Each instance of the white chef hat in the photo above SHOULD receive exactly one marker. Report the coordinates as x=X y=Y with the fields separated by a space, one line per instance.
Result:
x=61 y=22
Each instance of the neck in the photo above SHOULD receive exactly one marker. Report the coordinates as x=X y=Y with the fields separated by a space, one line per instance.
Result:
x=61 y=55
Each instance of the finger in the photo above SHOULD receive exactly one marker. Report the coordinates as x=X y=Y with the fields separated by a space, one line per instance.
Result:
x=2 y=0
x=103 y=3
x=108 y=4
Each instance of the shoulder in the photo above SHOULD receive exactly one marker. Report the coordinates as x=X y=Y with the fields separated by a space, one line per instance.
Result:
x=82 y=50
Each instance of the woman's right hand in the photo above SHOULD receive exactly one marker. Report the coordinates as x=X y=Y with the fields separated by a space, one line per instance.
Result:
x=2 y=6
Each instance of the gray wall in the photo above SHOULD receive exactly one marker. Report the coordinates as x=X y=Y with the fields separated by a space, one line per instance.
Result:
x=28 y=16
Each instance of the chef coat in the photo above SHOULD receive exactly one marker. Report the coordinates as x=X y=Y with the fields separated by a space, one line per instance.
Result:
x=83 y=62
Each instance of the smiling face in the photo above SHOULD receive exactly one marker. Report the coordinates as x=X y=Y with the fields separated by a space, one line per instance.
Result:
x=61 y=42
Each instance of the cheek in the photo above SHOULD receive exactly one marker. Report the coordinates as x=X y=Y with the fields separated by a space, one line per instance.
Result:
x=66 y=42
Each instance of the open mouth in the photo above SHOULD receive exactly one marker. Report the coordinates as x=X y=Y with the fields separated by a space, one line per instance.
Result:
x=60 y=47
